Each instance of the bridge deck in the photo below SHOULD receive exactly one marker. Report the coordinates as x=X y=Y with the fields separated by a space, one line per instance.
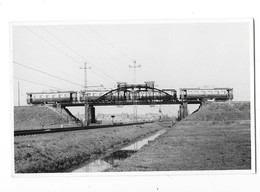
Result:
x=128 y=103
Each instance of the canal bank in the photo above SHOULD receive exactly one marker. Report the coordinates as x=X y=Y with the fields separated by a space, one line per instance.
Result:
x=217 y=137
x=112 y=159
x=58 y=152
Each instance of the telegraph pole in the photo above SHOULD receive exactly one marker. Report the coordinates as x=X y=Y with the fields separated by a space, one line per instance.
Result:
x=85 y=95
x=135 y=102
x=134 y=67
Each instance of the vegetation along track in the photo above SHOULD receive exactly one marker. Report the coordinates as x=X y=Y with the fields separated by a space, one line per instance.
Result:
x=56 y=130
x=60 y=151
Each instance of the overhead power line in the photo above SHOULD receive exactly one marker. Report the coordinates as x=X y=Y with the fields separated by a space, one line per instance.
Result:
x=53 y=45
x=75 y=52
x=52 y=66
x=97 y=47
x=36 y=83
x=103 y=77
x=43 y=39
x=46 y=73
x=109 y=43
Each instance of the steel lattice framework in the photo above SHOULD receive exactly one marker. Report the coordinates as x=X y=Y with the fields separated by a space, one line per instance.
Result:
x=136 y=94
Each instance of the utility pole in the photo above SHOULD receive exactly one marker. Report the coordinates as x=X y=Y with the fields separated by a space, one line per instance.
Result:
x=18 y=94
x=134 y=93
x=85 y=95
x=134 y=67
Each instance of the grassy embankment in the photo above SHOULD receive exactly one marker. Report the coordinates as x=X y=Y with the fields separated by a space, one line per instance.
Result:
x=217 y=137
x=38 y=117
x=58 y=152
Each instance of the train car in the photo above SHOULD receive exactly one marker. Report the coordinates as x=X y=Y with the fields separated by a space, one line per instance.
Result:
x=92 y=95
x=172 y=94
x=154 y=95
x=51 y=97
x=198 y=94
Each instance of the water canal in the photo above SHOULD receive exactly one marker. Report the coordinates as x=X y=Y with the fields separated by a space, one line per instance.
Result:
x=114 y=158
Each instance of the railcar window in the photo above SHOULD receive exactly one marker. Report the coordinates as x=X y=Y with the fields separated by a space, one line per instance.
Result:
x=196 y=92
x=210 y=92
x=216 y=92
x=203 y=92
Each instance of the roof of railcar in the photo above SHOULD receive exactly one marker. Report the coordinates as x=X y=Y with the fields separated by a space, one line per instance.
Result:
x=51 y=92
x=168 y=89
x=96 y=90
x=226 y=88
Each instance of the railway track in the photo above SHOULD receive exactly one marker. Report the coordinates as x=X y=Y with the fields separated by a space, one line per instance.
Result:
x=56 y=130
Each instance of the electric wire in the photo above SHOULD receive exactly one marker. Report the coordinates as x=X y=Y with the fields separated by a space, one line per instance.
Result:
x=109 y=43
x=94 y=45
x=47 y=74
x=102 y=77
x=36 y=83
x=83 y=58
x=60 y=50
x=52 y=45
x=53 y=66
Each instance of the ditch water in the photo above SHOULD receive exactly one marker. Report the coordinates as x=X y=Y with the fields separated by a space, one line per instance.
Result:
x=113 y=159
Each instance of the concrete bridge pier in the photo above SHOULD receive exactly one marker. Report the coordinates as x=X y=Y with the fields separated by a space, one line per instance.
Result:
x=183 y=111
x=92 y=114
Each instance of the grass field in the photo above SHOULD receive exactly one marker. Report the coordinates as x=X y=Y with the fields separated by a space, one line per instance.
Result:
x=217 y=137
x=61 y=151
x=197 y=147
x=38 y=117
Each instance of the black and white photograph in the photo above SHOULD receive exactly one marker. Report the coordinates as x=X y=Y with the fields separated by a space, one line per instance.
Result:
x=143 y=96
x=155 y=96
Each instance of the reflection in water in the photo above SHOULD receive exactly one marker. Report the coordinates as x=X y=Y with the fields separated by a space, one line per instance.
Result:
x=139 y=144
x=114 y=158
x=96 y=166
x=106 y=162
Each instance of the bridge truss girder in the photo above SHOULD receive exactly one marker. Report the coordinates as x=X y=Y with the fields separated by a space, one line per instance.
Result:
x=136 y=94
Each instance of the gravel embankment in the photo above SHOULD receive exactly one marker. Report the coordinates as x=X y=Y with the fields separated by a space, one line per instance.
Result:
x=217 y=137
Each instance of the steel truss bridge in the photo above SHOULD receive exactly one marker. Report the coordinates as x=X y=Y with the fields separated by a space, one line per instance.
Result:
x=130 y=94
x=141 y=94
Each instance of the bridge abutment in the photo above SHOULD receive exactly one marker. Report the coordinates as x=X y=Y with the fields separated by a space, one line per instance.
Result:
x=92 y=114
x=183 y=111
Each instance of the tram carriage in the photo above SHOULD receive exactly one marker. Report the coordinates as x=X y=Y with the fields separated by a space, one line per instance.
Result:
x=198 y=94
x=91 y=95
x=51 y=97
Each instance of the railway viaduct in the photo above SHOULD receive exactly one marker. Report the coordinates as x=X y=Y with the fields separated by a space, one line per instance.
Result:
x=133 y=94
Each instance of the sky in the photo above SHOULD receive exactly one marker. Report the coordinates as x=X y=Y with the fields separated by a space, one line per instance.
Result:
x=174 y=55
